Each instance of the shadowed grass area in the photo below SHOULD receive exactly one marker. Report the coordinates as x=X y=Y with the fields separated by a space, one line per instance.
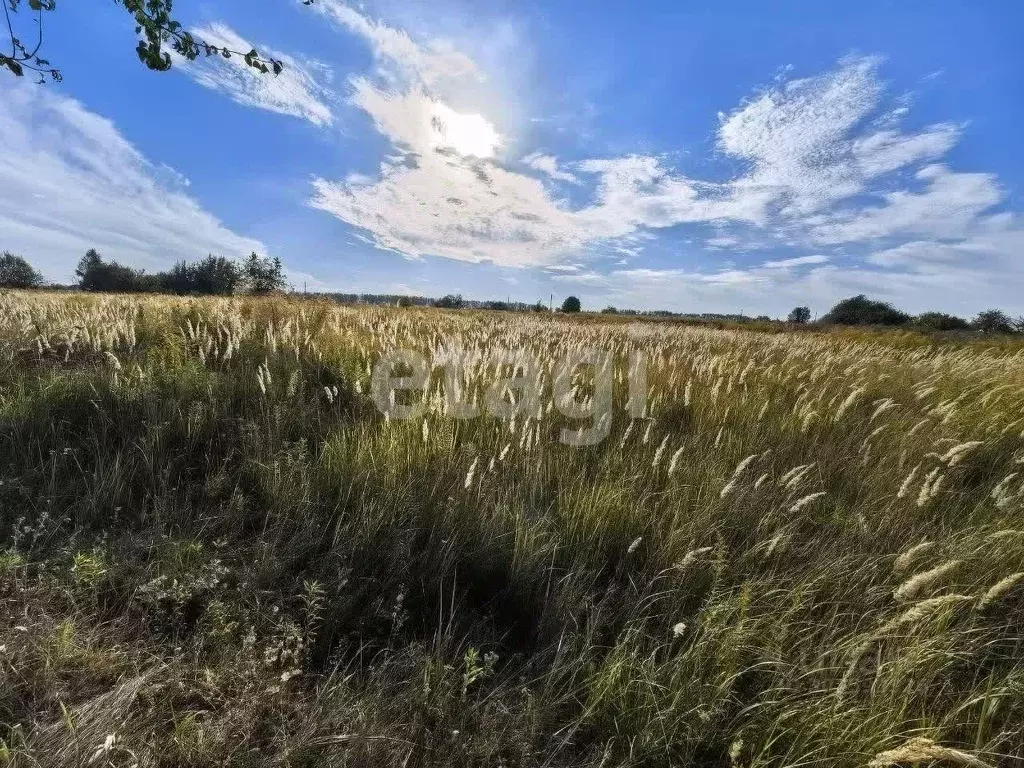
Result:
x=216 y=551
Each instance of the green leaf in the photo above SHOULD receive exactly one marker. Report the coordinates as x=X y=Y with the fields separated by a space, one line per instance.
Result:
x=14 y=66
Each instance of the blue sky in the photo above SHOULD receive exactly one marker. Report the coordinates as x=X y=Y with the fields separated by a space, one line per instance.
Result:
x=708 y=157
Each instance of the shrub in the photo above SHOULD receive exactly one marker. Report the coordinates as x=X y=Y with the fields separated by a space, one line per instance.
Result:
x=571 y=304
x=940 y=321
x=860 y=310
x=263 y=275
x=451 y=301
x=16 y=272
x=800 y=315
x=94 y=274
x=213 y=275
x=993 y=321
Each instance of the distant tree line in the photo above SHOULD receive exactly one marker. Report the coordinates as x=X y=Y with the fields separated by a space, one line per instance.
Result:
x=212 y=276
x=860 y=310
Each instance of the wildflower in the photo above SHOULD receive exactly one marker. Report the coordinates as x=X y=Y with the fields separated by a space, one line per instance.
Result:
x=679 y=629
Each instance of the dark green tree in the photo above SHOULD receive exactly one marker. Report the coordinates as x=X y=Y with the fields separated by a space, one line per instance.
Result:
x=571 y=304
x=95 y=274
x=451 y=301
x=155 y=26
x=940 y=321
x=800 y=315
x=993 y=321
x=263 y=275
x=16 y=272
x=860 y=310
x=213 y=275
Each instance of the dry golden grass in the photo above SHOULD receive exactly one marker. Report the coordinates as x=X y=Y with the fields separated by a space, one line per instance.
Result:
x=217 y=551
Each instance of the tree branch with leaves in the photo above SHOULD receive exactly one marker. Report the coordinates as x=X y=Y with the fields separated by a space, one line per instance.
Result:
x=159 y=33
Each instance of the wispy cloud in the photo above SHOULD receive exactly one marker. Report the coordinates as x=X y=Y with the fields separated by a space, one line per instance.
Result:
x=548 y=165
x=823 y=161
x=300 y=90
x=402 y=59
x=69 y=181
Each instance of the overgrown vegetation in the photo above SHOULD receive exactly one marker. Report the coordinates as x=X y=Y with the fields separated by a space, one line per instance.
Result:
x=216 y=551
x=212 y=276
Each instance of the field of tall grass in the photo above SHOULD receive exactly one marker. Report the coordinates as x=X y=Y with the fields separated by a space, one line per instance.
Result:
x=808 y=551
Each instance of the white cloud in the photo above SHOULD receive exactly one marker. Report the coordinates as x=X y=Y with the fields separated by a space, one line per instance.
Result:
x=461 y=208
x=885 y=151
x=69 y=181
x=299 y=90
x=798 y=261
x=548 y=165
x=808 y=142
x=948 y=207
x=402 y=58
x=823 y=160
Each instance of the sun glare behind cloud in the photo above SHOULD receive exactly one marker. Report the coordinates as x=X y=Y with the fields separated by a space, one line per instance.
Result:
x=469 y=135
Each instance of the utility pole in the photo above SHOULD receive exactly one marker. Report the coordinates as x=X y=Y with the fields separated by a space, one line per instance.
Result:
x=551 y=303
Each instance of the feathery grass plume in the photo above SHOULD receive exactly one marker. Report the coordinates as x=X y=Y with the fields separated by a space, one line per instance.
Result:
x=426 y=431
x=762 y=480
x=471 y=472
x=1004 y=535
x=920 y=750
x=914 y=586
x=795 y=476
x=737 y=473
x=626 y=434
x=884 y=405
x=848 y=403
x=635 y=545
x=504 y=452
x=776 y=540
x=918 y=427
x=678 y=629
x=647 y=432
x=659 y=452
x=956 y=454
x=1000 y=589
x=810 y=498
x=674 y=461
x=691 y=557
x=928 y=489
x=908 y=482
x=924 y=609
x=904 y=561
x=808 y=420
